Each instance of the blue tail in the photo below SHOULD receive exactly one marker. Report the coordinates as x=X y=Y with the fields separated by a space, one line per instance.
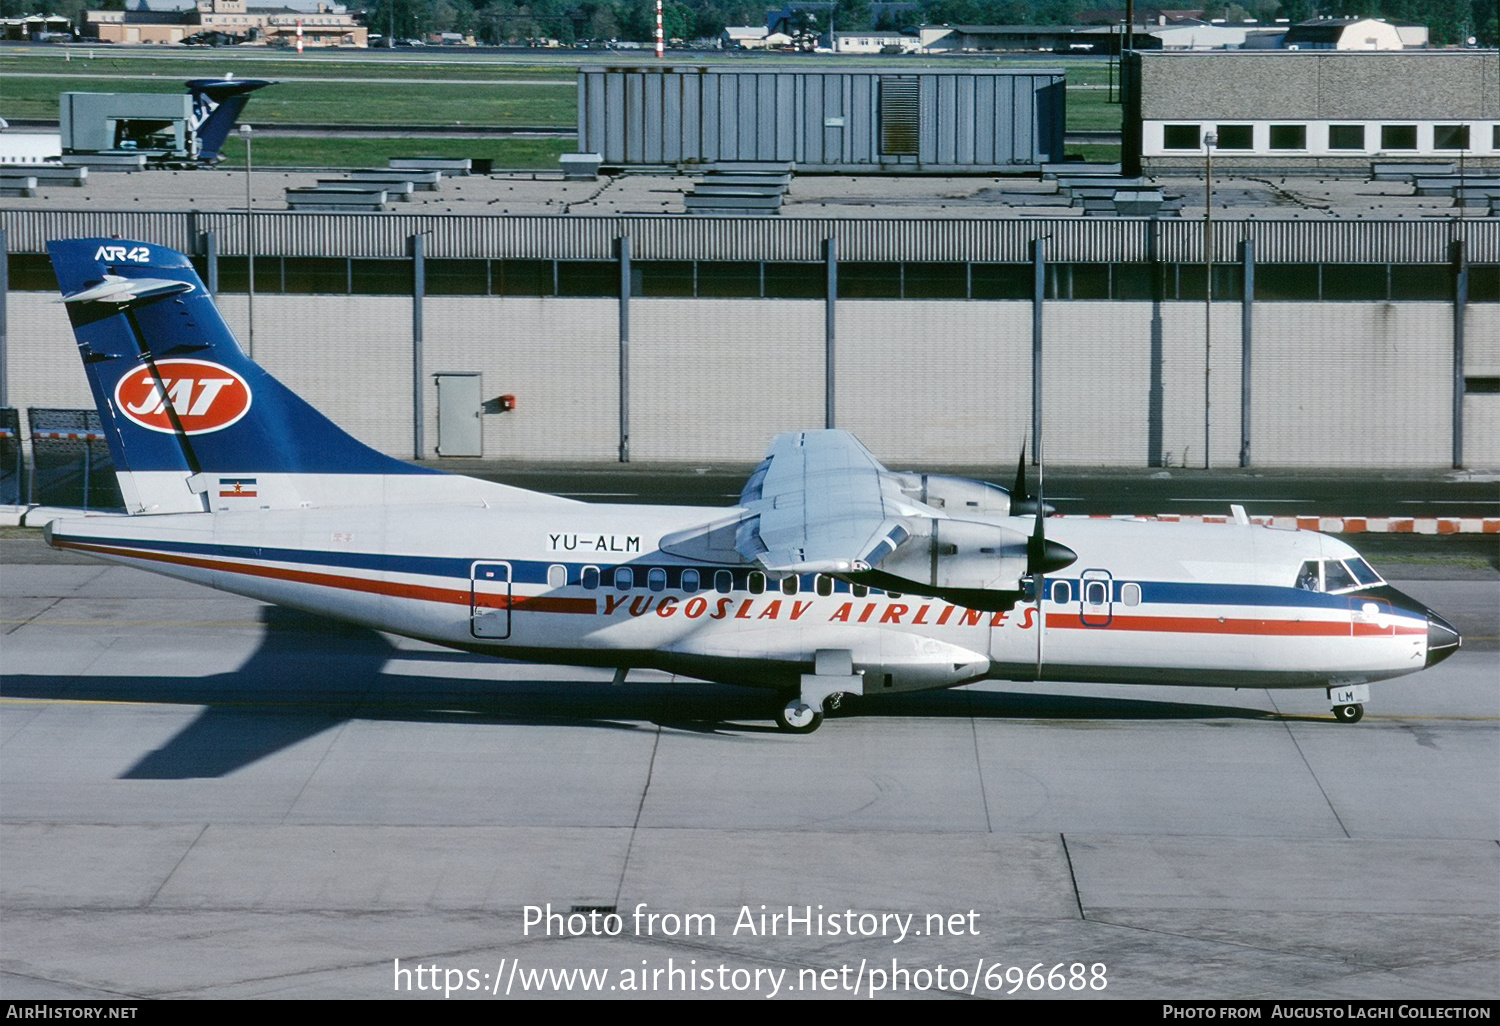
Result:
x=217 y=103
x=190 y=419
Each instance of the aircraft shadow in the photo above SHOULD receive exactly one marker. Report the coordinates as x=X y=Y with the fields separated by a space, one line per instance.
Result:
x=310 y=674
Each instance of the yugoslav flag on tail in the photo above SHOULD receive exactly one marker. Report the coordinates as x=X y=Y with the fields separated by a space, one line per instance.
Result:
x=192 y=423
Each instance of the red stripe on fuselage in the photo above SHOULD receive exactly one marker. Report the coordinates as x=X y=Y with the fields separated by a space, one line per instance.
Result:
x=419 y=592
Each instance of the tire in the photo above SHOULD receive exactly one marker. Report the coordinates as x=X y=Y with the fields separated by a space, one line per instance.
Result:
x=1349 y=713
x=796 y=718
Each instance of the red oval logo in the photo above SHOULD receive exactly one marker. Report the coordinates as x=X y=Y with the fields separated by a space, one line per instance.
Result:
x=206 y=396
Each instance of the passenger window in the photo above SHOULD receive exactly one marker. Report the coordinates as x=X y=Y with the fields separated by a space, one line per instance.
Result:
x=1097 y=594
x=789 y=585
x=757 y=582
x=1130 y=594
x=624 y=578
x=824 y=585
x=1062 y=592
x=591 y=578
x=557 y=576
x=723 y=582
x=690 y=581
x=859 y=590
x=656 y=579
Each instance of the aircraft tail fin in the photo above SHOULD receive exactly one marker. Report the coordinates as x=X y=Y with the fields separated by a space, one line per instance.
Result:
x=217 y=104
x=193 y=424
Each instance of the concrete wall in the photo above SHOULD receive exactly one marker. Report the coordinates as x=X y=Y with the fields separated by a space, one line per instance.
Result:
x=1320 y=85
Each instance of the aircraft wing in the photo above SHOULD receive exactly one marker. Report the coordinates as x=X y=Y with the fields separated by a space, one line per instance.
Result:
x=820 y=502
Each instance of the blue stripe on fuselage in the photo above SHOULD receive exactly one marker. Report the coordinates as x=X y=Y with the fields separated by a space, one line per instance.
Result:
x=535 y=572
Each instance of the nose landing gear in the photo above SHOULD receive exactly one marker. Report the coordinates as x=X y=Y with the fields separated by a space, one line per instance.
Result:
x=1349 y=702
x=1352 y=713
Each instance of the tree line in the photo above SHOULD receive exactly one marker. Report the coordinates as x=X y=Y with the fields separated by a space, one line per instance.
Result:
x=1450 y=22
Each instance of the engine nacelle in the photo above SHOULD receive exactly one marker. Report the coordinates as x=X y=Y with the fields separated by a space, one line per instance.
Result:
x=957 y=496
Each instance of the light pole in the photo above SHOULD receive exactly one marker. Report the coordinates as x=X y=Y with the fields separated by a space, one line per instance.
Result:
x=245 y=131
x=1210 y=140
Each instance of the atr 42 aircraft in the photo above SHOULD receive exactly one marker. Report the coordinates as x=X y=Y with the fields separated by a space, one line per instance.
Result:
x=832 y=577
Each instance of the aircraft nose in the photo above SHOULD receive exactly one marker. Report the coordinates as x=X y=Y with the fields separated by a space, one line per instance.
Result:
x=1442 y=639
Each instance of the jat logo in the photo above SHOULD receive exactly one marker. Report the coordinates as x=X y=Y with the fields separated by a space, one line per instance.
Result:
x=205 y=396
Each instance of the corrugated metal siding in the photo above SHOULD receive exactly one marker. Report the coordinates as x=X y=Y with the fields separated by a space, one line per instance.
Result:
x=916 y=378
x=698 y=366
x=371 y=370
x=1352 y=384
x=1482 y=431
x=42 y=355
x=1355 y=384
x=1102 y=401
x=1084 y=240
x=685 y=115
x=558 y=357
x=1482 y=340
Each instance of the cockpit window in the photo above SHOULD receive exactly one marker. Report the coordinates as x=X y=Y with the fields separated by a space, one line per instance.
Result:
x=1336 y=577
x=1331 y=575
x=1309 y=578
x=1362 y=572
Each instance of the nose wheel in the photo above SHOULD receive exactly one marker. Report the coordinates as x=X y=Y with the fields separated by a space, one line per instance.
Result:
x=1352 y=713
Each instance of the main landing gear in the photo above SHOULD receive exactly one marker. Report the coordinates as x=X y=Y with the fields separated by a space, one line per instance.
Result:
x=797 y=717
x=824 y=690
x=1352 y=713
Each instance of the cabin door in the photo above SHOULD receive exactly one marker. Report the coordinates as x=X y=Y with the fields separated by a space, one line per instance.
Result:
x=489 y=600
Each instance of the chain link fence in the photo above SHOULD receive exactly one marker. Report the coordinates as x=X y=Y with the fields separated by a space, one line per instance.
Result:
x=70 y=460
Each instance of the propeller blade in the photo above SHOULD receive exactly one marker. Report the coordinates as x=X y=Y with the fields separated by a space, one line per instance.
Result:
x=1022 y=503
x=1042 y=555
x=1018 y=494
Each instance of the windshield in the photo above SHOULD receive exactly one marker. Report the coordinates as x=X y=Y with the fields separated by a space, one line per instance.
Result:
x=1335 y=576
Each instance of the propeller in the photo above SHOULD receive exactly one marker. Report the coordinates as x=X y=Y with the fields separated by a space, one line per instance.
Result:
x=1042 y=555
x=1021 y=501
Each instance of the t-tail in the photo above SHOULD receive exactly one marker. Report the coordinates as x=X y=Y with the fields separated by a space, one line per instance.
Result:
x=217 y=103
x=192 y=423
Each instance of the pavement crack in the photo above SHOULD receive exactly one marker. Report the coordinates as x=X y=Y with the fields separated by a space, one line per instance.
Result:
x=984 y=800
x=172 y=872
x=14 y=625
x=1073 y=877
x=1287 y=726
x=639 y=810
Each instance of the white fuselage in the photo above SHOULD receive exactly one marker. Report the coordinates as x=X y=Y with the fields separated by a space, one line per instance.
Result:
x=1145 y=602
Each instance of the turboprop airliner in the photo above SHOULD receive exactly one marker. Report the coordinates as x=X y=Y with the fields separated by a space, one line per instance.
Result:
x=832 y=577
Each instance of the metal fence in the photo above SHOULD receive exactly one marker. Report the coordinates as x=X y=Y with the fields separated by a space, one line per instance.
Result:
x=70 y=460
x=12 y=458
x=463 y=236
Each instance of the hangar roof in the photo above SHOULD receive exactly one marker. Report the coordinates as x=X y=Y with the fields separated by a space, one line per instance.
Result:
x=1262 y=197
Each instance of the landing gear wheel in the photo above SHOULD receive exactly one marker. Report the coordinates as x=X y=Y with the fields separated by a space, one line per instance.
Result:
x=796 y=717
x=1349 y=713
